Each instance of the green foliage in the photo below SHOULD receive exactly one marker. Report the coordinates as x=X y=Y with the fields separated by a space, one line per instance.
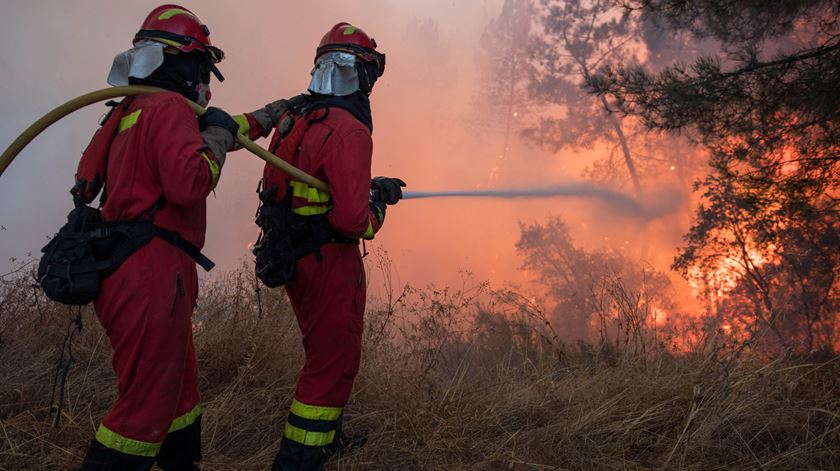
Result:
x=734 y=21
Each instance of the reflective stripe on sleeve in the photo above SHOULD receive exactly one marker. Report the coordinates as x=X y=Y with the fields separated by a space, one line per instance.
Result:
x=125 y=445
x=129 y=120
x=214 y=169
x=369 y=232
x=244 y=125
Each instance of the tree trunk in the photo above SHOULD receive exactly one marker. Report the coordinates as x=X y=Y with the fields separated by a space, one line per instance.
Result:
x=625 y=148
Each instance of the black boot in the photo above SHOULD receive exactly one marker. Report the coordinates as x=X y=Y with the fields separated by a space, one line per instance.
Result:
x=181 y=450
x=101 y=458
x=344 y=445
x=296 y=457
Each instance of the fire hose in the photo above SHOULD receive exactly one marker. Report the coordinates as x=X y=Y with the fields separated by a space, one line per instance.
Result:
x=574 y=189
x=115 y=92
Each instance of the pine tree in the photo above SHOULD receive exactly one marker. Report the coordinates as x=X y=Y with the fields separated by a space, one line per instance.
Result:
x=767 y=110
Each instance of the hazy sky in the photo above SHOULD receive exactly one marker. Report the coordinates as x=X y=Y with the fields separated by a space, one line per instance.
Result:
x=52 y=51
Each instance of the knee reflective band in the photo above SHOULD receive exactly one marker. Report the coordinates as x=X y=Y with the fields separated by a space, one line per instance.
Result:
x=185 y=420
x=115 y=92
x=312 y=425
x=126 y=445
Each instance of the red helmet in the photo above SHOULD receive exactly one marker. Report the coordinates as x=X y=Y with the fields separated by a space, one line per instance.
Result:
x=178 y=27
x=345 y=37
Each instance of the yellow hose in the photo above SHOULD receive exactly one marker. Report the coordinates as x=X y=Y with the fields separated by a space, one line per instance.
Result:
x=115 y=92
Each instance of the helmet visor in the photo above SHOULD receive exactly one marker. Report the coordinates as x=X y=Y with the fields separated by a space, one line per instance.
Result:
x=185 y=43
x=367 y=55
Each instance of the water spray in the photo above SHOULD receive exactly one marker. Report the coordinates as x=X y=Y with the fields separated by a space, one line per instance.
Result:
x=664 y=203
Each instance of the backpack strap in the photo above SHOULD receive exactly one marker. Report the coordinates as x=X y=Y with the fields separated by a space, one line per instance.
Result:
x=175 y=239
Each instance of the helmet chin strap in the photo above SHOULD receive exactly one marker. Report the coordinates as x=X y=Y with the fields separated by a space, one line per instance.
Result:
x=367 y=77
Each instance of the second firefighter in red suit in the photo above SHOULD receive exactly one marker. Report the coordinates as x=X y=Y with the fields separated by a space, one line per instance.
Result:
x=328 y=135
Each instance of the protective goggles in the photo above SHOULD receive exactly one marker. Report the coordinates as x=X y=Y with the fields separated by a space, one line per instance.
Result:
x=367 y=55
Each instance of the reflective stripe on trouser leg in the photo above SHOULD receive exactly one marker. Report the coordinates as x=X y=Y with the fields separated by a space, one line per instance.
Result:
x=130 y=446
x=312 y=425
x=126 y=445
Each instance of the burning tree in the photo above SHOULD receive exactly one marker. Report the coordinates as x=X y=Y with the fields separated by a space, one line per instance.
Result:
x=768 y=112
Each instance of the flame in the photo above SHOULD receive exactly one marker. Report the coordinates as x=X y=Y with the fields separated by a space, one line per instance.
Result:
x=725 y=276
x=658 y=316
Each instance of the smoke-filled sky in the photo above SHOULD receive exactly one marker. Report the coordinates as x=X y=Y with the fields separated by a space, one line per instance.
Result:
x=423 y=110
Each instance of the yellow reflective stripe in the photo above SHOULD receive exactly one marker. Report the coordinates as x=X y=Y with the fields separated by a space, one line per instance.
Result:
x=185 y=420
x=369 y=232
x=174 y=12
x=350 y=30
x=311 y=210
x=126 y=445
x=169 y=42
x=315 y=412
x=214 y=169
x=244 y=125
x=129 y=120
x=312 y=195
x=303 y=437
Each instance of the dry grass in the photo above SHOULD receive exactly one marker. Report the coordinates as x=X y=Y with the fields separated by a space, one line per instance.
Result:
x=445 y=384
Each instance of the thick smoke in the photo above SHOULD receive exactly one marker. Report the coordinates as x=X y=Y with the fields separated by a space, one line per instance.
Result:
x=423 y=111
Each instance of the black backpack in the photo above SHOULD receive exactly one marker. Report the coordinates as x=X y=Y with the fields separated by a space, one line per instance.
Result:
x=86 y=250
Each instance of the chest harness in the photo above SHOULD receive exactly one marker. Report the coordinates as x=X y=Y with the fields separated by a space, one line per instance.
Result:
x=291 y=229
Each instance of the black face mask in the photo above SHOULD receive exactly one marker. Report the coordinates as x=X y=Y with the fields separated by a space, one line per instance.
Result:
x=368 y=72
x=358 y=104
x=181 y=73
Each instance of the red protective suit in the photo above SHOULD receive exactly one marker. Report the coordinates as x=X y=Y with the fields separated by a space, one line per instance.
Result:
x=147 y=304
x=328 y=293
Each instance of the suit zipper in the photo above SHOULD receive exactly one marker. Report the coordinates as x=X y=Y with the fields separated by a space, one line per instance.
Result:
x=179 y=291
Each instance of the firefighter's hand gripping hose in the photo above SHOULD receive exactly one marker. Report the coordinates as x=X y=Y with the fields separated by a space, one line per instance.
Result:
x=115 y=92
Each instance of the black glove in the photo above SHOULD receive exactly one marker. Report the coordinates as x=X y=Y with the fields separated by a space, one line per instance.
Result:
x=378 y=209
x=219 y=118
x=387 y=190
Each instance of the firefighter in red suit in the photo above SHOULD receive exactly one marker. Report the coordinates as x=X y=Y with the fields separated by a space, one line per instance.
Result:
x=160 y=165
x=328 y=135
